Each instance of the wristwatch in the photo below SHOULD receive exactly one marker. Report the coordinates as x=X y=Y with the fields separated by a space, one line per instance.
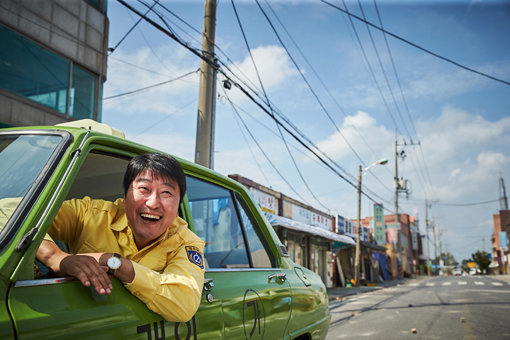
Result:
x=113 y=263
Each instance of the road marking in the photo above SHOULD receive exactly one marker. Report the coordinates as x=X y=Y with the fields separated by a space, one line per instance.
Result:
x=430 y=284
x=479 y=283
x=446 y=283
x=462 y=283
x=497 y=283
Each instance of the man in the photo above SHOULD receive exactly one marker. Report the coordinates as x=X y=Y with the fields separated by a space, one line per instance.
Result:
x=139 y=239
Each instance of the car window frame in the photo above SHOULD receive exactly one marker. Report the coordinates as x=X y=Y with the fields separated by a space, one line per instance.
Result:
x=22 y=211
x=239 y=202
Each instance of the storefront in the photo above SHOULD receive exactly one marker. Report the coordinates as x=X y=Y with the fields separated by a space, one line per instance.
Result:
x=308 y=245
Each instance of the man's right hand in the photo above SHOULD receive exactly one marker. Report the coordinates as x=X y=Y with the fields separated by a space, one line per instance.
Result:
x=85 y=267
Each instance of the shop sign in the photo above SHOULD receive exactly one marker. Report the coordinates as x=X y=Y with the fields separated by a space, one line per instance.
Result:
x=321 y=221
x=379 y=226
x=503 y=240
x=340 y=224
x=296 y=213
x=267 y=203
x=414 y=236
x=350 y=228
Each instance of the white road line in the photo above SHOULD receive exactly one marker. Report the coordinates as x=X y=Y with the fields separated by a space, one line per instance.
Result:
x=479 y=283
x=497 y=283
x=462 y=283
x=429 y=284
x=446 y=283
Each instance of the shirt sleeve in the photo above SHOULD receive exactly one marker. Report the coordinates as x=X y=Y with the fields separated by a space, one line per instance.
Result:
x=175 y=293
x=68 y=222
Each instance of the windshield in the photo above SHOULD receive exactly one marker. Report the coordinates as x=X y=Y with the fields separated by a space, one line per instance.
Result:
x=22 y=159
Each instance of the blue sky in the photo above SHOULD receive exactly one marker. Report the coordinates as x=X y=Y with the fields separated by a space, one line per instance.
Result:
x=461 y=119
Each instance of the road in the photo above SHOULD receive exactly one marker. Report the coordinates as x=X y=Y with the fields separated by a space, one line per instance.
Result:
x=453 y=307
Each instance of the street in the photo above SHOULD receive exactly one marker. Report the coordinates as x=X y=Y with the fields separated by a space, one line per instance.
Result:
x=453 y=307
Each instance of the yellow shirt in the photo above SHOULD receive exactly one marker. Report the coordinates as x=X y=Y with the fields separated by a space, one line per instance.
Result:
x=169 y=273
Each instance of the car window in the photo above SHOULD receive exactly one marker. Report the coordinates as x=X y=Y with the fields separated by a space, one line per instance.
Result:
x=231 y=240
x=22 y=160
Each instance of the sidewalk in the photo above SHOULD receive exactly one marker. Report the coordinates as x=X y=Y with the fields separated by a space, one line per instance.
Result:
x=339 y=293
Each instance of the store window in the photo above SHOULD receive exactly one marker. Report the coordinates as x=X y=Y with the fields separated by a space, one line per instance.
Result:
x=38 y=74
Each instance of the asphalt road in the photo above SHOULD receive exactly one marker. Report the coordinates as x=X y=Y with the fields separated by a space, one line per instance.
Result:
x=454 y=307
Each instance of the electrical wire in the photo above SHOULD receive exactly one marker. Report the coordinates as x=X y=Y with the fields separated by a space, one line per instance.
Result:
x=309 y=85
x=417 y=46
x=270 y=107
x=324 y=86
x=257 y=103
x=111 y=50
x=467 y=204
x=150 y=86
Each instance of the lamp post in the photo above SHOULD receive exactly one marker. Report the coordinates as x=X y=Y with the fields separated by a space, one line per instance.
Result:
x=358 y=238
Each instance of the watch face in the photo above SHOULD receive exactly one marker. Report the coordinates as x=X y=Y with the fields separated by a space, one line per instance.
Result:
x=113 y=262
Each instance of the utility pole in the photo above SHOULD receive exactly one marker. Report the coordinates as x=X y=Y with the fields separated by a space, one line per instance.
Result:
x=204 y=147
x=397 y=218
x=358 y=241
x=427 y=233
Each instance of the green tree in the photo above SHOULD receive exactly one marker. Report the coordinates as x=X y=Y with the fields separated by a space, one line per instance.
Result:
x=481 y=258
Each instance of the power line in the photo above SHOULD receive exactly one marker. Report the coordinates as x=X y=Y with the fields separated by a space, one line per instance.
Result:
x=415 y=45
x=251 y=97
x=467 y=204
x=111 y=50
x=267 y=99
x=308 y=84
x=150 y=86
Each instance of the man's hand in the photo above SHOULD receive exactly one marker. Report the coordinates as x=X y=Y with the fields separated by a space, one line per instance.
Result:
x=85 y=267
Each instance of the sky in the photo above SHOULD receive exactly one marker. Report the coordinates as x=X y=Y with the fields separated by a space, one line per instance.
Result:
x=436 y=85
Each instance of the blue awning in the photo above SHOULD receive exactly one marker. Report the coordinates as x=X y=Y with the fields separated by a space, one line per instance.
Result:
x=287 y=223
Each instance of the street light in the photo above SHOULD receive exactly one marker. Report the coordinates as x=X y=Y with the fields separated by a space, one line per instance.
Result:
x=357 y=255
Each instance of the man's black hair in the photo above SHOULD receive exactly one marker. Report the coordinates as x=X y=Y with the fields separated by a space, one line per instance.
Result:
x=160 y=165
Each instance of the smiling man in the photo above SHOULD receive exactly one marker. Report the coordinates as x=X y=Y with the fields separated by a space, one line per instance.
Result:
x=140 y=239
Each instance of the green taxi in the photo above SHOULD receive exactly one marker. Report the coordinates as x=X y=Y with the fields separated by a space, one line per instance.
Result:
x=252 y=288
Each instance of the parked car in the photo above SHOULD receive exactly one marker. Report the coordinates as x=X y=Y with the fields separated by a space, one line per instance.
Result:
x=252 y=288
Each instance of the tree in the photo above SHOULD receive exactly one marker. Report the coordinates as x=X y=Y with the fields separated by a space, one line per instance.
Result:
x=481 y=258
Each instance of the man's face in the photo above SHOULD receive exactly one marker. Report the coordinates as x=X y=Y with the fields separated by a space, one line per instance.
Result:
x=151 y=205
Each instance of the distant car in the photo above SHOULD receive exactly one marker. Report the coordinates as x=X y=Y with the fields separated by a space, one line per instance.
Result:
x=457 y=271
x=252 y=288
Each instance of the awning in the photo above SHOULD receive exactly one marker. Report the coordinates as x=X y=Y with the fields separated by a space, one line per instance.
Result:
x=279 y=221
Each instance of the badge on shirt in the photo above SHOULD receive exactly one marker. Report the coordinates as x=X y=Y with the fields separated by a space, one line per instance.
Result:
x=194 y=256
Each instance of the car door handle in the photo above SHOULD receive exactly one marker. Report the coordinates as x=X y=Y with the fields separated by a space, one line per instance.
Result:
x=208 y=284
x=281 y=276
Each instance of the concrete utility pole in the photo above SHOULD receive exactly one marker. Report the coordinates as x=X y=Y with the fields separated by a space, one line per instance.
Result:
x=204 y=147
x=397 y=217
x=358 y=241
x=427 y=238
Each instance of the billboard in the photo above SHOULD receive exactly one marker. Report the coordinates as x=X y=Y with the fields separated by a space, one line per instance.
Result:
x=379 y=226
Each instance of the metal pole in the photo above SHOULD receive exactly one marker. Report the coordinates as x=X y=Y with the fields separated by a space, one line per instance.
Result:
x=204 y=147
x=357 y=255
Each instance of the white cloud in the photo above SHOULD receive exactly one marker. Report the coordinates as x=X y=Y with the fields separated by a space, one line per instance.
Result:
x=362 y=133
x=273 y=66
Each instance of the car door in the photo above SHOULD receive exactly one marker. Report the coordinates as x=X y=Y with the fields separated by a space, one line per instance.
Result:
x=241 y=271
x=63 y=308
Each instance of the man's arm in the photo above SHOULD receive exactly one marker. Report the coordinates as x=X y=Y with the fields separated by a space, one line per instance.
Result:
x=84 y=267
x=175 y=293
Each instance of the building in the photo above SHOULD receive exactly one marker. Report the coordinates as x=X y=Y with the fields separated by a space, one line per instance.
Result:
x=500 y=253
x=306 y=232
x=53 y=60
